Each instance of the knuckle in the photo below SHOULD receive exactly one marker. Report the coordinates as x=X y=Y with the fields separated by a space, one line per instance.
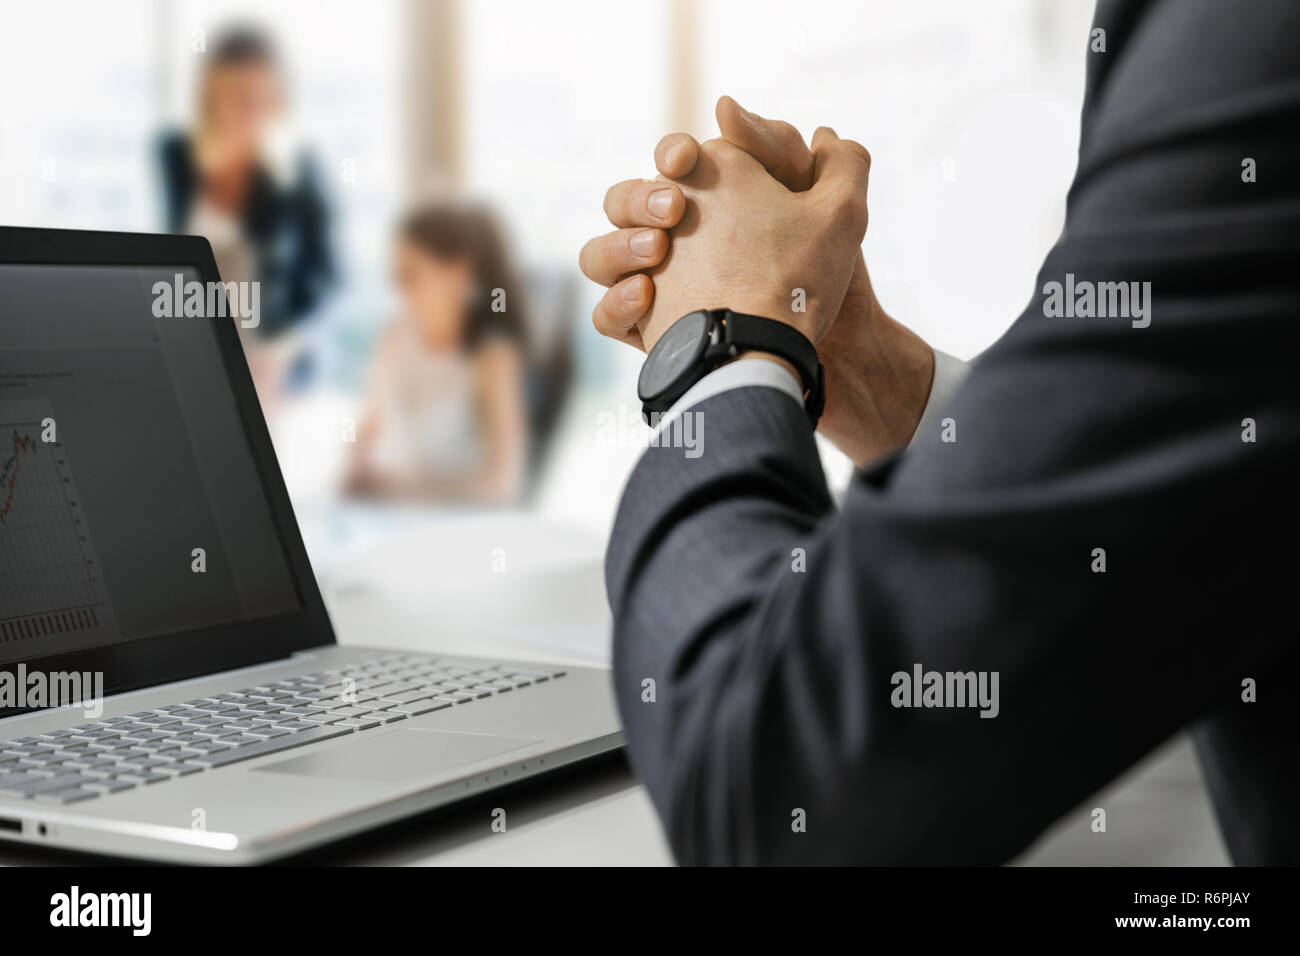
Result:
x=859 y=151
x=722 y=153
x=849 y=209
x=631 y=203
x=786 y=134
x=801 y=164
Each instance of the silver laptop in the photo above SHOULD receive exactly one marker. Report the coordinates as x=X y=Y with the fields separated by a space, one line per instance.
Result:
x=170 y=686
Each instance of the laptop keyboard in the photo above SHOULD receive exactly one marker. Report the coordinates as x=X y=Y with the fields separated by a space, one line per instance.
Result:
x=121 y=753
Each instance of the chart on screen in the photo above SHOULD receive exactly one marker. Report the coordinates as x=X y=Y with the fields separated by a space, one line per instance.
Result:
x=51 y=589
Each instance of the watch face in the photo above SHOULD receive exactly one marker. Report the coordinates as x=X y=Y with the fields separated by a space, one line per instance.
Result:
x=674 y=356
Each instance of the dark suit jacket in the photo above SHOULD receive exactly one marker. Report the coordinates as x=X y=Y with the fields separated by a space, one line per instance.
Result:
x=773 y=685
x=287 y=226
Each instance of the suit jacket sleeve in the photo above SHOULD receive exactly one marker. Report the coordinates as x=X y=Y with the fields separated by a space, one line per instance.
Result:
x=772 y=624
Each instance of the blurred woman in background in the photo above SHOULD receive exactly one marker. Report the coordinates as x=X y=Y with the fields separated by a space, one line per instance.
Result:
x=266 y=219
x=445 y=414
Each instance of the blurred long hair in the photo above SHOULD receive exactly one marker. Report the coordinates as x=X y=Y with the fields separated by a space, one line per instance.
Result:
x=470 y=231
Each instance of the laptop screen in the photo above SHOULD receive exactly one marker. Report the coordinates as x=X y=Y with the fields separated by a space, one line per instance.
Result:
x=130 y=505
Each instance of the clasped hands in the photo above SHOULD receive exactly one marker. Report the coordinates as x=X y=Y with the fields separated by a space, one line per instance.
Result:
x=756 y=221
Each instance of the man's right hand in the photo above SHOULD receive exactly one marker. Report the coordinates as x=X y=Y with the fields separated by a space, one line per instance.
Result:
x=878 y=372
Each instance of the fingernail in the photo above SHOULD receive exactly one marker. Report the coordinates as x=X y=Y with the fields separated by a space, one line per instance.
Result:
x=643 y=244
x=671 y=154
x=746 y=115
x=632 y=291
x=660 y=203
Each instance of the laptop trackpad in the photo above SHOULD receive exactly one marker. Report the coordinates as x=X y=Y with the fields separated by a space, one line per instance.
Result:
x=400 y=755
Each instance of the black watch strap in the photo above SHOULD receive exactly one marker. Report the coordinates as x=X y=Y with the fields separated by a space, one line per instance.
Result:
x=753 y=333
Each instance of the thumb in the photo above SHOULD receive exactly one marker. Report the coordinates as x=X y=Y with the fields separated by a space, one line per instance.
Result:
x=840 y=170
x=777 y=145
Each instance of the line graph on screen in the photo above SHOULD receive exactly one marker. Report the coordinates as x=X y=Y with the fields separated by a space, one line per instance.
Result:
x=50 y=581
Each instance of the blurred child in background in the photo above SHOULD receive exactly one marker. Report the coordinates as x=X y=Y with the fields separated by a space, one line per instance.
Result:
x=445 y=414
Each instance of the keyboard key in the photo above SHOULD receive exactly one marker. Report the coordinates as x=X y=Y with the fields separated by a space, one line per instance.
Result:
x=347 y=710
x=419 y=707
x=42 y=770
x=205 y=746
x=49 y=760
x=387 y=690
x=55 y=735
x=262 y=707
x=208 y=721
x=456 y=697
x=407 y=696
x=296 y=725
x=29 y=750
x=267 y=730
x=322 y=718
x=160 y=746
x=134 y=726
x=34 y=785
x=142 y=776
x=144 y=736
x=85 y=766
x=178 y=769
x=246 y=723
x=96 y=733
x=358 y=723
x=15 y=784
x=142 y=764
x=217 y=708
x=159 y=720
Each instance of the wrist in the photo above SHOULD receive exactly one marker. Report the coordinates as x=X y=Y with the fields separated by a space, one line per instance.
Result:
x=706 y=340
x=881 y=383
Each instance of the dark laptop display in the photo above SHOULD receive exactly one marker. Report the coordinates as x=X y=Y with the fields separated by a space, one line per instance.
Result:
x=129 y=503
x=145 y=531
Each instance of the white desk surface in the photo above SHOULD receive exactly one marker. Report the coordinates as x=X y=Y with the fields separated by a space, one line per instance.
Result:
x=439 y=585
x=437 y=590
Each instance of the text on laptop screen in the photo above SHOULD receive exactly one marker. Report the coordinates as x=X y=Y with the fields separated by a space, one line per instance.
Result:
x=130 y=506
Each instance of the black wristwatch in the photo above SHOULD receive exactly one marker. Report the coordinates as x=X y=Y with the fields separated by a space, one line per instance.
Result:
x=699 y=342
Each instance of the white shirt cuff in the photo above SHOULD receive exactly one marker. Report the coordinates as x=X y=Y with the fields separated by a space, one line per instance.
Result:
x=949 y=374
x=741 y=374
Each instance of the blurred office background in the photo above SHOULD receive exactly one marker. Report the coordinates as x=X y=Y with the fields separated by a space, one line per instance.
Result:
x=530 y=111
x=970 y=111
